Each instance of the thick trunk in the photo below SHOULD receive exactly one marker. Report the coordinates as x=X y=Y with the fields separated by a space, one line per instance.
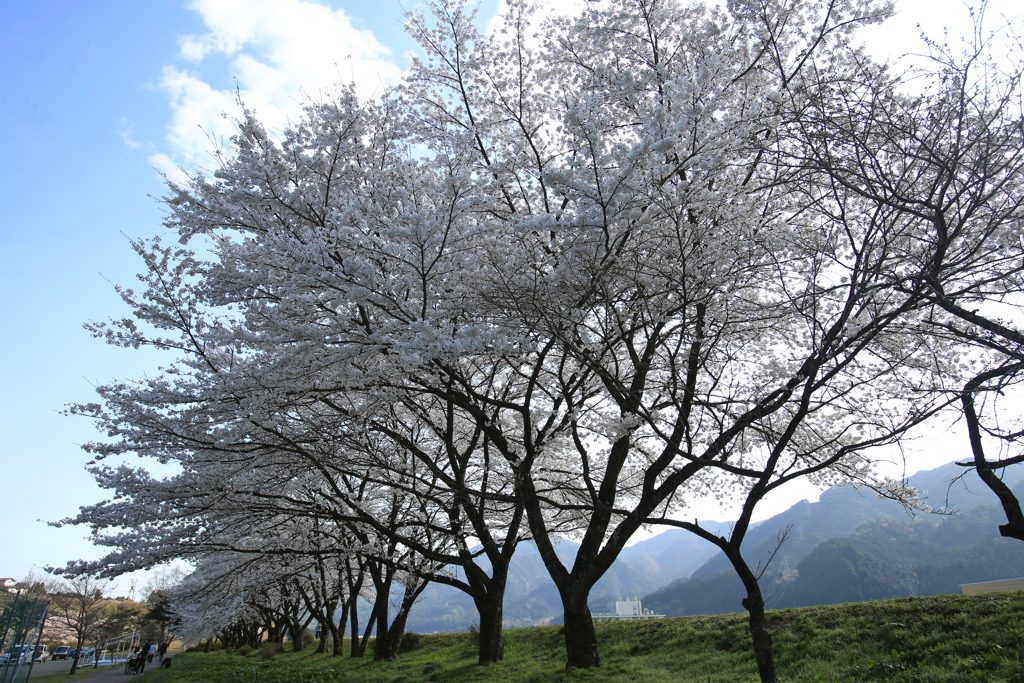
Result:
x=1014 y=527
x=338 y=633
x=381 y=646
x=591 y=563
x=354 y=618
x=321 y=643
x=294 y=628
x=492 y=642
x=389 y=640
x=764 y=652
x=580 y=637
x=328 y=629
x=388 y=647
x=272 y=629
x=354 y=578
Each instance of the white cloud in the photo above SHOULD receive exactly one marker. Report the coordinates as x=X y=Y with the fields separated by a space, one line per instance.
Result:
x=277 y=51
x=127 y=133
x=197 y=114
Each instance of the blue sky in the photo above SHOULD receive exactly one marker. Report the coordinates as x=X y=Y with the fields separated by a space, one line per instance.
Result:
x=98 y=99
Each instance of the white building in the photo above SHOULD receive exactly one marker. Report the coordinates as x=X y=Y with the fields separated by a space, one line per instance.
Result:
x=627 y=610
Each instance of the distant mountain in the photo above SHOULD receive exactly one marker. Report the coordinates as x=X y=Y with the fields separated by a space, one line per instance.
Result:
x=850 y=545
x=531 y=598
x=672 y=553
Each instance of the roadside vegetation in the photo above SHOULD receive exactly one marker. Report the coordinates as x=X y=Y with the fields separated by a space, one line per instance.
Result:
x=939 y=639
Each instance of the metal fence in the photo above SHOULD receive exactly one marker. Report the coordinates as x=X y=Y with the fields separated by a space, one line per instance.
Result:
x=21 y=628
x=118 y=650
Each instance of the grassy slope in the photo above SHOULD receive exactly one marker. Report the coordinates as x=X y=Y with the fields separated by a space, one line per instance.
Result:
x=935 y=639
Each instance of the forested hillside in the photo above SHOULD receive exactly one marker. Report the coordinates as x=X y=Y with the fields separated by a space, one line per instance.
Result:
x=892 y=555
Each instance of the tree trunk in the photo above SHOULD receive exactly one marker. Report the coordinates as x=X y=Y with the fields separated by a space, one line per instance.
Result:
x=389 y=641
x=492 y=642
x=580 y=637
x=1014 y=527
x=381 y=646
x=366 y=634
x=388 y=645
x=354 y=618
x=74 y=664
x=354 y=578
x=296 y=633
x=338 y=633
x=321 y=644
x=764 y=652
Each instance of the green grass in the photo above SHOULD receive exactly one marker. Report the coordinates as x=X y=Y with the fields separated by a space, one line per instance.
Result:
x=930 y=640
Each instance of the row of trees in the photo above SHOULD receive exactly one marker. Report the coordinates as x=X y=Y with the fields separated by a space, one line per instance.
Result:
x=570 y=278
x=247 y=598
x=81 y=612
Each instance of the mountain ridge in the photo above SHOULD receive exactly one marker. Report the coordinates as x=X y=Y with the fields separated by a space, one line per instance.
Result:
x=659 y=567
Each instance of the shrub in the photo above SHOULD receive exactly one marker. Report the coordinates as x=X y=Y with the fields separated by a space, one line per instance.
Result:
x=244 y=650
x=268 y=650
x=307 y=639
x=410 y=641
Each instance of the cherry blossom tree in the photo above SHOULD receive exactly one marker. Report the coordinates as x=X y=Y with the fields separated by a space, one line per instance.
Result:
x=570 y=278
x=947 y=159
x=695 y=310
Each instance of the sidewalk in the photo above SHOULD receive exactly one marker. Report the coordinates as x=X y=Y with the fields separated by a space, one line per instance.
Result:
x=116 y=673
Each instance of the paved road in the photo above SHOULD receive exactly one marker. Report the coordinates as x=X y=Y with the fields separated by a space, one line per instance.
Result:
x=104 y=672
x=117 y=673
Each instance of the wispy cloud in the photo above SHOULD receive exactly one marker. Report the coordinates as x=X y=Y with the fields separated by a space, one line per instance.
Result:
x=127 y=133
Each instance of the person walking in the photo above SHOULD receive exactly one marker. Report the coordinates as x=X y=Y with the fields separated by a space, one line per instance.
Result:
x=143 y=653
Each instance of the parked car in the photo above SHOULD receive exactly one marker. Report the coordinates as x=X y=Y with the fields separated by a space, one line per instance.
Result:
x=62 y=652
x=41 y=655
x=15 y=655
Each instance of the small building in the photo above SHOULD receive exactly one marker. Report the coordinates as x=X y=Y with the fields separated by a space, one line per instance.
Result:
x=627 y=610
x=7 y=583
x=1002 y=586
